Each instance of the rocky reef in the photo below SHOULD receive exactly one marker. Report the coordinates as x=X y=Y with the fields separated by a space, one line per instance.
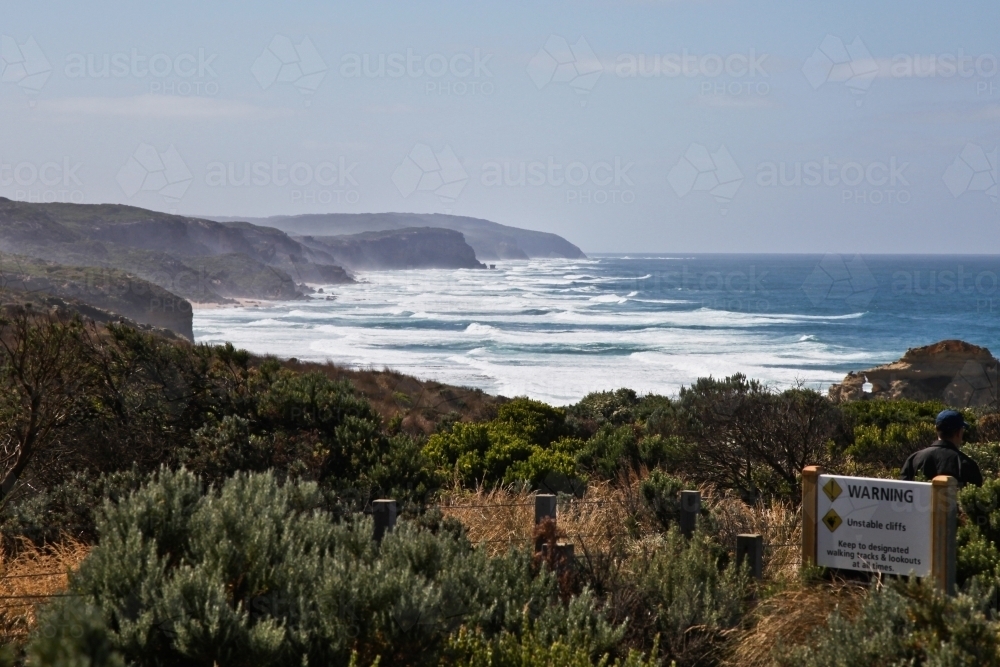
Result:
x=958 y=373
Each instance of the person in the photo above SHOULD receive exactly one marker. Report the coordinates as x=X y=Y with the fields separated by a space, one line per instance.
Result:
x=943 y=457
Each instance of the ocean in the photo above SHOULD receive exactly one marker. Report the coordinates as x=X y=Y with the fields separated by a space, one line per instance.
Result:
x=556 y=329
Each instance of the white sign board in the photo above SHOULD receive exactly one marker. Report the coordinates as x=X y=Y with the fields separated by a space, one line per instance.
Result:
x=873 y=525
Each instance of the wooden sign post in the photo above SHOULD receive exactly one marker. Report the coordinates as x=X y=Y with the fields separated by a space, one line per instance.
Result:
x=880 y=525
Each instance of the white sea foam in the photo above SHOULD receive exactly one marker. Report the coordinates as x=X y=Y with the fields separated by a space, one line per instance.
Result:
x=531 y=328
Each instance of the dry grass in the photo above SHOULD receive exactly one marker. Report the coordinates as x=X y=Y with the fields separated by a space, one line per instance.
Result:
x=613 y=514
x=779 y=523
x=28 y=578
x=790 y=617
x=501 y=518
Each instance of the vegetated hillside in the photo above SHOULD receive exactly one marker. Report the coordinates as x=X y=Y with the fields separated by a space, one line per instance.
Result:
x=200 y=260
x=490 y=240
x=99 y=293
x=409 y=248
x=54 y=301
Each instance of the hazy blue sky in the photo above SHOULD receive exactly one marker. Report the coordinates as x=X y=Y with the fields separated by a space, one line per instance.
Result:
x=851 y=126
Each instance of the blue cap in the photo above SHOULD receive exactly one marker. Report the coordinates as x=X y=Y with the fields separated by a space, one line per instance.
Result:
x=950 y=420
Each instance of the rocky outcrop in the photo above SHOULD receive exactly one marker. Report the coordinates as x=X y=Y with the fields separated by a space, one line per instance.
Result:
x=958 y=373
x=410 y=248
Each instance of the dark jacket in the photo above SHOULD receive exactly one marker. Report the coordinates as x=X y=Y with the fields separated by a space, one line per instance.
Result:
x=942 y=458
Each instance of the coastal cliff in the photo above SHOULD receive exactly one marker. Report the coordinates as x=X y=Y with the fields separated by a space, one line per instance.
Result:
x=410 y=248
x=199 y=260
x=490 y=240
x=958 y=373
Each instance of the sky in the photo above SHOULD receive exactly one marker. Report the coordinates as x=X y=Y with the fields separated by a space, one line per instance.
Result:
x=641 y=126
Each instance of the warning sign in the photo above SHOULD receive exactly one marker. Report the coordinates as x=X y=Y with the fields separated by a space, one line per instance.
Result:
x=874 y=525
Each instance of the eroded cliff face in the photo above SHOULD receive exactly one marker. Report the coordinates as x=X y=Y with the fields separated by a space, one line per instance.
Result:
x=410 y=248
x=958 y=373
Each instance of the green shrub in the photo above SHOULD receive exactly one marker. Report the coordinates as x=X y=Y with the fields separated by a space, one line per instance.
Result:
x=662 y=495
x=885 y=432
x=222 y=448
x=981 y=504
x=614 y=407
x=67 y=508
x=890 y=445
x=72 y=636
x=882 y=413
x=699 y=596
x=909 y=623
x=255 y=572
x=533 y=421
x=979 y=534
x=531 y=647
x=610 y=449
x=987 y=455
x=976 y=556
x=741 y=435
x=527 y=442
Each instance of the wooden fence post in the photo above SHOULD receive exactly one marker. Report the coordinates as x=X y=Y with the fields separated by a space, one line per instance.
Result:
x=944 y=522
x=810 y=486
x=750 y=548
x=690 y=509
x=384 y=514
x=545 y=508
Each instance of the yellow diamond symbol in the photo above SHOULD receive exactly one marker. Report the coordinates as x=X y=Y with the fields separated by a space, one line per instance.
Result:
x=832 y=520
x=832 y=489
